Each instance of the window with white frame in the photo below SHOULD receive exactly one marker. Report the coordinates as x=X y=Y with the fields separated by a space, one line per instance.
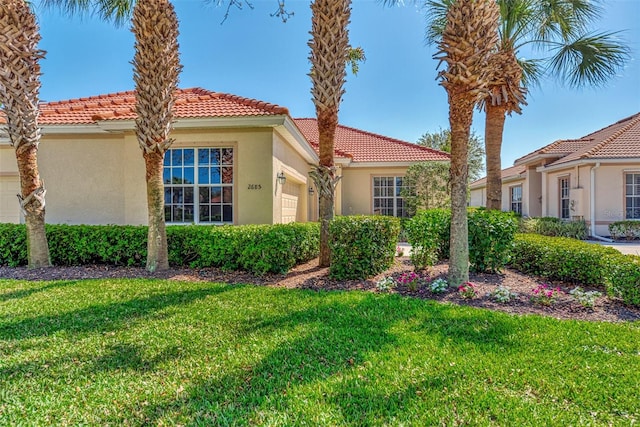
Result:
x=198 y=185
x=516 y=198
x=387 y=198
x=565 y=207
x=632 y=195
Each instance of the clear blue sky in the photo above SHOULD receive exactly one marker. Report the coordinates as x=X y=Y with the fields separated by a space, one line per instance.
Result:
x=395 y=93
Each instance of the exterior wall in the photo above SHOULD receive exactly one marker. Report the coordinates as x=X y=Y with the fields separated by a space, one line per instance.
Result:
x=478 y=197
x=9 y=185
x=610 y=195
x=84 y=179
x=296 y=170
x=99 y=179
x=357 y=188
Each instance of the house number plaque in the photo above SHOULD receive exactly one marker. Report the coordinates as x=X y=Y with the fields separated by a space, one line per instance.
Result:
x=255 y=187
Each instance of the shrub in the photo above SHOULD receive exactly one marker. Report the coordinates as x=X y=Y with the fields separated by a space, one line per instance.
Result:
x=587 y=299
x=560 y=258
x=362 y=246
x=555 y=227
x=491 y=235
x=428 y=235
x=624 y=279
x=503 y=294
x=625 y=230
x=256 y=248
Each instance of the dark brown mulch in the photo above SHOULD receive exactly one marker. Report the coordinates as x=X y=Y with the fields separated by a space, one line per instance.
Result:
x=310 y=276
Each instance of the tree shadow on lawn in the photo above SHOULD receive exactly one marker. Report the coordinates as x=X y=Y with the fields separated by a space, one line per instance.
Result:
x=102 y=317
x=340 y=338
x=24 y=293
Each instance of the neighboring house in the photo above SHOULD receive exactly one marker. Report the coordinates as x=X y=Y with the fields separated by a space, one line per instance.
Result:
x=595 y=178
x=223 y=167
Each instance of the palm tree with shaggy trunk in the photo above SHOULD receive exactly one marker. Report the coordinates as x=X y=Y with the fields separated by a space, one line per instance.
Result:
x=330 y=53
x=19 y=97
x=469 y=37
x=156 y=70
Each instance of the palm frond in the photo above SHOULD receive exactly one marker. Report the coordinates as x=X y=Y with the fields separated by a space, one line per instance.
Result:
x=590 y=59
x=117 y=11
x=532 y=71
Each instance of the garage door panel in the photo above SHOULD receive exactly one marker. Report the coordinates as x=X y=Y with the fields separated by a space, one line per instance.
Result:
x=9 y=208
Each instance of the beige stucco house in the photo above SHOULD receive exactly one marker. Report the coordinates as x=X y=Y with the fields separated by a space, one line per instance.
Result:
x=234 y=161
x=595 y=178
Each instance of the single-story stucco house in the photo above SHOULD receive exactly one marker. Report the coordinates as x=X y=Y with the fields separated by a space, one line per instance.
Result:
x=234 y=161
x=595 y=178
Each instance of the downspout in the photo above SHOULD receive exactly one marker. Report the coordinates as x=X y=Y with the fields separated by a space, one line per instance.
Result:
x=592 y=204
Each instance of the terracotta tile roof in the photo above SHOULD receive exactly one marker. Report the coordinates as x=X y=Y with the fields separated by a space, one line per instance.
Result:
x=361 y=146
x=190 y=103
x=512 y=172
x=617 y=141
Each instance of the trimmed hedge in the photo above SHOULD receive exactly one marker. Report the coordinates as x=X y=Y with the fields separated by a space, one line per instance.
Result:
x=555 y=227
x=259 y=249
x=628 y=230
x=491 y=236
x=362 y=246
x=573 y=261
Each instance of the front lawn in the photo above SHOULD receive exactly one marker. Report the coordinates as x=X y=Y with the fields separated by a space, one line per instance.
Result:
x=162 y=352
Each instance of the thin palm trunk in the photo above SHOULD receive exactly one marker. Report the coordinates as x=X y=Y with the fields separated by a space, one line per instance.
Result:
x=460 y=118
x=329 y=55
x=19 y=93
x=494 y=125
x=156 y=70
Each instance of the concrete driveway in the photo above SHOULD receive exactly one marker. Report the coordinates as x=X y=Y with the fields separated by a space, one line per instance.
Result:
x=631 y=248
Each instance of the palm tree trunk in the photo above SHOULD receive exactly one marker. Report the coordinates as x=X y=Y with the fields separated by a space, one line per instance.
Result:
x=460 y=117
x=19 y=94
x=157 y=251
x=494 y=126
x=327 y=123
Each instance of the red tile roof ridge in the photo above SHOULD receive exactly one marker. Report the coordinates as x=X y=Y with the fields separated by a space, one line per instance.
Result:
x=390 y=139
x=250 y=102
x=636 y=115
x=633 y=120
x=95 y=98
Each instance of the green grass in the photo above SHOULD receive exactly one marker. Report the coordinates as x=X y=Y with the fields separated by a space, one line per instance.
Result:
x=153 y=352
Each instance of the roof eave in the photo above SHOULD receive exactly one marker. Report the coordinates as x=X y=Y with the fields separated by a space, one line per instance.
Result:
x=298 y=141
x=355 y=164
x=587 y=161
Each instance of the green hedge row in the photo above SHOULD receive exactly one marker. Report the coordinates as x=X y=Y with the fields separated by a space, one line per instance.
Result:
x=573 y=261
x=259 y=249
x=362 y=246
x=491 y=236
x=551 y=226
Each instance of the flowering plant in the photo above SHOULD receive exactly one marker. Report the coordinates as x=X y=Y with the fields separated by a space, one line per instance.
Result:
x=438 y=286
x=410 y=279
x=467 y=290
x=385 y=284
x=586 y=299
x=399 y=251
x=544 y=294
x=503 y=294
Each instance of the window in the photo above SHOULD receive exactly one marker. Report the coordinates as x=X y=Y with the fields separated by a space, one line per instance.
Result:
x=198 y=185
x=516 y=199
x=386 y=196
x=564 y=198
x=632 y=195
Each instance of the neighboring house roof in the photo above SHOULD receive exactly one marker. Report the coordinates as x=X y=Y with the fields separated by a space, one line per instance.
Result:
x=190 y=103
x=365 y=147
x=619 y=140
x=514 y=172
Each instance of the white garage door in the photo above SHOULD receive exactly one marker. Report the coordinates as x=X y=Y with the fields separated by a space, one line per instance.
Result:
x=9 y=208
x=290 y=195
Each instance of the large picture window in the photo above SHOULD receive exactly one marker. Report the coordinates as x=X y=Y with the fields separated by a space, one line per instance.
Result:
x=632 y=195
x=516 y=199
x=387 y=198
x=564 y=198
x=198 y=185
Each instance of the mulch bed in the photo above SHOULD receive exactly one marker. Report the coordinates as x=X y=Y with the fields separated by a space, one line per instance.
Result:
x=310 y=276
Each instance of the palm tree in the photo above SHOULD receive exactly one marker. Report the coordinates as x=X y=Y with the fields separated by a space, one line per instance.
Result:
x=330 y=53
x=19 y=94
x=576 y=56
x=469 y=37
x=156 y=70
